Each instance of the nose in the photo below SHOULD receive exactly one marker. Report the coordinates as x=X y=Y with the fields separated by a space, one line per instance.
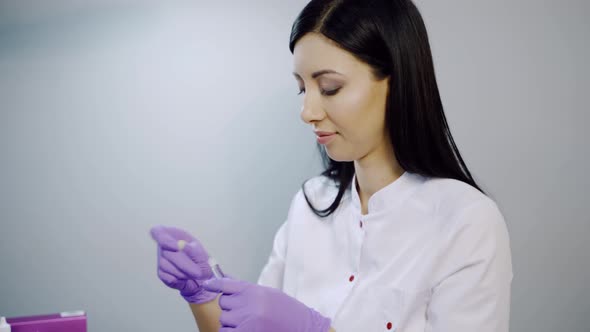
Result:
x=311 y=112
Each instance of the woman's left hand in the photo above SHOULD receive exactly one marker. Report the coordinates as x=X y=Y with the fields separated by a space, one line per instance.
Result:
x=254 y=308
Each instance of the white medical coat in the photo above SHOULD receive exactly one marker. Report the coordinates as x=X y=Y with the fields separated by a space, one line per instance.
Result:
x=432 y=254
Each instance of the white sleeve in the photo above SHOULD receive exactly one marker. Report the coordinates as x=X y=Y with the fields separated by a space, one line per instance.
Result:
x=272 y=273
x=473 y=292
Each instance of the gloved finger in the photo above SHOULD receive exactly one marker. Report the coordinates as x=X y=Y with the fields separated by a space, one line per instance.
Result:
x=227 y=329
x=169 y=280
x=195 y=251
x=229 y=302
x=189 y=288
x=161 y=236
x=225 y=285
x=194 y=270
x=174 y=232
x=179 y=234
x=169 y=268
x=233 y=318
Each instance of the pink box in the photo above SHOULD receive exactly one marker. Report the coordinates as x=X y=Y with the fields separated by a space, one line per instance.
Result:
x=74 y=321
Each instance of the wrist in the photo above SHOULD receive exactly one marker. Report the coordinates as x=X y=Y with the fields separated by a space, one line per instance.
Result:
x=201 y=296
x=197 y=295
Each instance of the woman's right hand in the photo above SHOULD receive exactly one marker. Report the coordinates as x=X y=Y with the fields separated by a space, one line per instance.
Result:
x=182 y=263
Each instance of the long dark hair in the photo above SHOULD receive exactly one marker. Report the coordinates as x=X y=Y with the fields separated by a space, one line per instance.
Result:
x=390 y=36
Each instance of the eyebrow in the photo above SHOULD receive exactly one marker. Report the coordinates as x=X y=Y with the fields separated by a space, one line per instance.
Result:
x=320 y=73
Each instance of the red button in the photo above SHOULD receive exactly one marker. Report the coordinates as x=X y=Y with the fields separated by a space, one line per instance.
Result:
x=351 y=278
x=389 y=326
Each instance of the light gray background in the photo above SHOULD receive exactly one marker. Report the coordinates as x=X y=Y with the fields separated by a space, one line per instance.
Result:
x=118 y=115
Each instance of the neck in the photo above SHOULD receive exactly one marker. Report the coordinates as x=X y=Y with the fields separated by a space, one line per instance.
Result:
x=375 y=171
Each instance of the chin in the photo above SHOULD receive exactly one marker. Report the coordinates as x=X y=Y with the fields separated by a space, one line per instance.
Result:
x=339 y=155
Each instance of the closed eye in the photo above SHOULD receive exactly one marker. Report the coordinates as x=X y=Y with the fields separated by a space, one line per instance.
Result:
x=323 y=92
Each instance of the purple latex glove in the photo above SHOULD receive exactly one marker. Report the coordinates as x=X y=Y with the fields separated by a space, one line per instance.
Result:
x=248 y=307
x=186 y=269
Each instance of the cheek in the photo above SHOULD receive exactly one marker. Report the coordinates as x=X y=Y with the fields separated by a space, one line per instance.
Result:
x=344 y=108
x=354 y=115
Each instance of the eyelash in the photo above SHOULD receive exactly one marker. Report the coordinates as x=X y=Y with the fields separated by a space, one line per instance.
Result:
x=325 y=93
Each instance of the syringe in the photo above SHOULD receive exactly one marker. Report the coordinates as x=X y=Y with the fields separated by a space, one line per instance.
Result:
x=215 y=268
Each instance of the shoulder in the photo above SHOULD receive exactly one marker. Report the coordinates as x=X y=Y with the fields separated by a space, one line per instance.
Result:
x=469 y=223
x=448 y=193
x=457 y=204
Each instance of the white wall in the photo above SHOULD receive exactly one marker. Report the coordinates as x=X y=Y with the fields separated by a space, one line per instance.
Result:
x=118 y=115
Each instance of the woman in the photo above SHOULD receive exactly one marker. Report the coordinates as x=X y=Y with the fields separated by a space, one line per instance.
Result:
x=395 y=234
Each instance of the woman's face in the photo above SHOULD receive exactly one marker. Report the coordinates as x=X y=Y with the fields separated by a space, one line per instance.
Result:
x=348 y=102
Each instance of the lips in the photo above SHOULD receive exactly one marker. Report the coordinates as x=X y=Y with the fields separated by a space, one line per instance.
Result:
x=324 y=133
x=324 y=137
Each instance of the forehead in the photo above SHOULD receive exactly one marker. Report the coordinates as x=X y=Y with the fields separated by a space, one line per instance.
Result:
x=315 y=52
